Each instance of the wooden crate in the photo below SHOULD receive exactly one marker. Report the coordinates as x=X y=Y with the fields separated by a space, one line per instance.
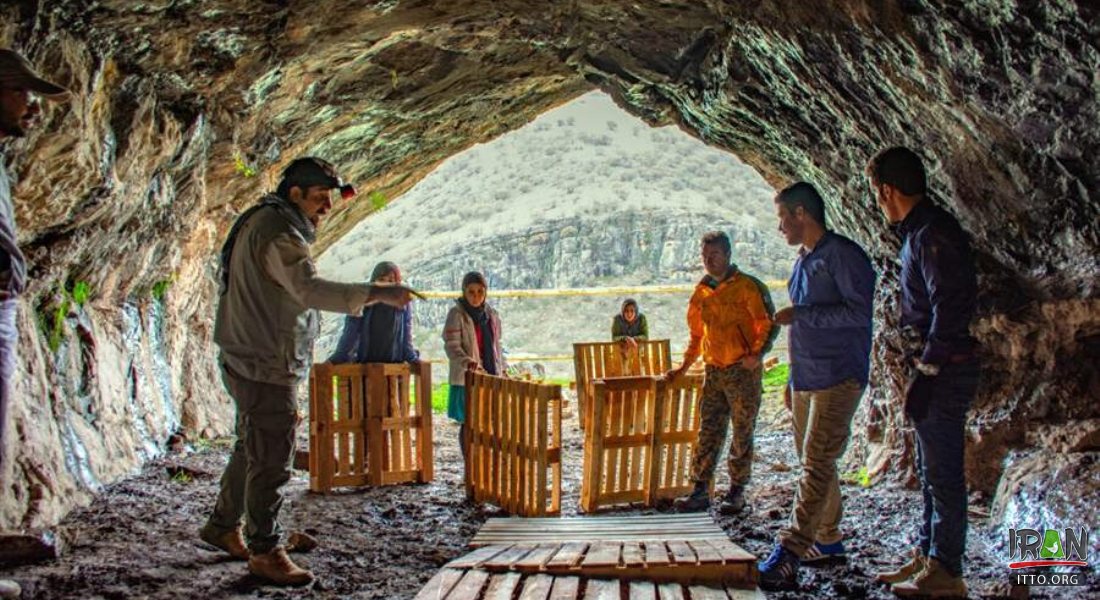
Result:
x=597 y=360
x=514 y=455
x=639 y=442
x=656 y=556
x=369 y=424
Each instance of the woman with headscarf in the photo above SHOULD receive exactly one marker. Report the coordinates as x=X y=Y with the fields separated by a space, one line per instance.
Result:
x=471 y=338
x=629 y=326
x=382 y=333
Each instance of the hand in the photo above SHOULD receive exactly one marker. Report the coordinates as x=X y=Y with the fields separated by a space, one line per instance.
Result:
x=393 y=294
x=632 y=343
x=918 y=396
x=787 y=397
x=750 y=362
x=473 y=366
x=785 y=316
x=674 y=374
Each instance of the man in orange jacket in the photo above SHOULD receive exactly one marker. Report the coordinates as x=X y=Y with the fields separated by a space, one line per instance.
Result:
x=730 y=318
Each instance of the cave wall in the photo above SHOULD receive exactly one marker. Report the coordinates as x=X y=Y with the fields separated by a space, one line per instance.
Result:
x=184 y=111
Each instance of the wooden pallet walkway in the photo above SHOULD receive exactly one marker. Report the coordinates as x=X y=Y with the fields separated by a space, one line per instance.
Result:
x=644 y=552
x=474 y=584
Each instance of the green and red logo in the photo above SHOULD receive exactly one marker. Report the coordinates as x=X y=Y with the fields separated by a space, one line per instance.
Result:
x=1048 y=548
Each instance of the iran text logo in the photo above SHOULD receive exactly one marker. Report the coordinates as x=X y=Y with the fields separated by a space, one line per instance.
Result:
x=1032 y=548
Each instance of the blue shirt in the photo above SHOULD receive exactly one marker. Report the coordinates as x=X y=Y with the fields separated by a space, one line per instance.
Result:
x=938 y=286
x=359 y=343
x=832 y=289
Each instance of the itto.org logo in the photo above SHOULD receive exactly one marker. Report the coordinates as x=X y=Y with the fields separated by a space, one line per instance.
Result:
x=1041 y=549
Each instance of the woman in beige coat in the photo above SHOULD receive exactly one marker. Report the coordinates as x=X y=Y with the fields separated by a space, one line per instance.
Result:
x=471 y=338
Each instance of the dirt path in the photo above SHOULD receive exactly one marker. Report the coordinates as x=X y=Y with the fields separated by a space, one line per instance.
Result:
x=137 y=540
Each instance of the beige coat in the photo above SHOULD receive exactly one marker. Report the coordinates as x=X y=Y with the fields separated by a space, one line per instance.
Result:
x=460 y=342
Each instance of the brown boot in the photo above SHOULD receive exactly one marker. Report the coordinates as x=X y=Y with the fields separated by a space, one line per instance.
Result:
x=277 y=567
x=935 y=581
x=906 y=571
x=300 y=541
x=230 y=541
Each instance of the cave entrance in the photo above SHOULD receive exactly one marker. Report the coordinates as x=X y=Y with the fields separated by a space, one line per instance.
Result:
x=584 y=198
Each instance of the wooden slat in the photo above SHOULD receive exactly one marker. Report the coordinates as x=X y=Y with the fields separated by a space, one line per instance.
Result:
x=681 y=552
x=426 y=461
x=565 y=588
x=740 y=594
x=705 y=552
x=699 y=592
x=633 y=554
x=507 y=558
x=440 y=584
x=376 y=394
x=602 y=589
x=537 y=587
x=568 y=555
x=670 y=591
x=656 y=553
x=602 y=554
x=643 y=590
x=537 y=557
x=478 y=556
x=469 y=588
x=729 y=551
x=502 y=586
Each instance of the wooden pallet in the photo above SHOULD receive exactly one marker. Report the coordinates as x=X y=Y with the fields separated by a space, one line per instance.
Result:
x=659 y=556
x=640 y=440
x=363 y=427
x=596 y=360
x=514 y=456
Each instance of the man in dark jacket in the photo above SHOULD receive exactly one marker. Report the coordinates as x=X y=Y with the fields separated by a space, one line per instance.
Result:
x=832 y=290
x=265 y=327
x=938 y=297
x=20 y=111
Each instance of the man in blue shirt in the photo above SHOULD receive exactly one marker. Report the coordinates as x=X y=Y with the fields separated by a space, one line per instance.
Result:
x=938 y=299
x=832 y=290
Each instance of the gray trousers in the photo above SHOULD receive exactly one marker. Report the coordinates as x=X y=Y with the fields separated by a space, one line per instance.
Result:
x=9 y=343
x=267 y=415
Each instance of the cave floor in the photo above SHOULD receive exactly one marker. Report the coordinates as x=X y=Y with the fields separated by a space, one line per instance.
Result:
x=138 y=538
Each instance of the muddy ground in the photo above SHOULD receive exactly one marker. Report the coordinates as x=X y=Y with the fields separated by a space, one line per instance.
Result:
x=138 y=539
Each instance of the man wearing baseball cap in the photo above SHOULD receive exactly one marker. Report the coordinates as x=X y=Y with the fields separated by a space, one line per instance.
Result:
x=265 y=327
x=20 y=111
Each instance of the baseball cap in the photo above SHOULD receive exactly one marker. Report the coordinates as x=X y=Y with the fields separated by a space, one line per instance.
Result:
x=16 y=72
x=312 y=171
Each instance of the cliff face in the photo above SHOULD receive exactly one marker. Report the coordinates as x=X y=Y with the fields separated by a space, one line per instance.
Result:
x=183 y=112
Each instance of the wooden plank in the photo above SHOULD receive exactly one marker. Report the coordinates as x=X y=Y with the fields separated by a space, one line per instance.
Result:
x=502 y=586
x=700 y=592
x=602 y=554
x=376 y=395
x=478 y=556
x=643 y=590
x=731 y=552
x=538 y=556
x=424 y=411
x=670 y=591
x=542 y=433
x=565 y=588
x=656 y=553
x=507 y=558
x=602 y=589
x=440 y=584
x=568 y=555
x=357 y=385
x=740 y=594
x=681 y=552
x=537 y=587
x=611 y=455
x=469 y=588
x=705 y=552
x=633 y=554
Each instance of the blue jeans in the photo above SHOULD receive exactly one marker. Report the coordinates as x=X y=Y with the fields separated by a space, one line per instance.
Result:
x=940 y=447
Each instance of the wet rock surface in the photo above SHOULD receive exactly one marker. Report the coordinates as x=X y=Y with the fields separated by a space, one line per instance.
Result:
x=138 y=539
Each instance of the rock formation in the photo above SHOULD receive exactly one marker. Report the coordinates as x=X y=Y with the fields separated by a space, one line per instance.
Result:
x=183 y=111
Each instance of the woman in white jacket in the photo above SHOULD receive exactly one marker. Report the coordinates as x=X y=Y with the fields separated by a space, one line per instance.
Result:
x=471 y=338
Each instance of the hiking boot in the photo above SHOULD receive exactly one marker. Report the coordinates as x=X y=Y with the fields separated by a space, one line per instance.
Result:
x=935 y=581
x=10 y=589
x=698 y=501
x=780 y=571
x=277 y=567
x=906 y=571
x=733 y=502
x=231 y=542
x=824 y=553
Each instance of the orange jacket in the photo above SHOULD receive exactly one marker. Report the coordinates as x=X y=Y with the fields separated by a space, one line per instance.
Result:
x=730 y=321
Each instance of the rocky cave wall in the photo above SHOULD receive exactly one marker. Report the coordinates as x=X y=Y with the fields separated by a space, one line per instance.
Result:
x=184 y=111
